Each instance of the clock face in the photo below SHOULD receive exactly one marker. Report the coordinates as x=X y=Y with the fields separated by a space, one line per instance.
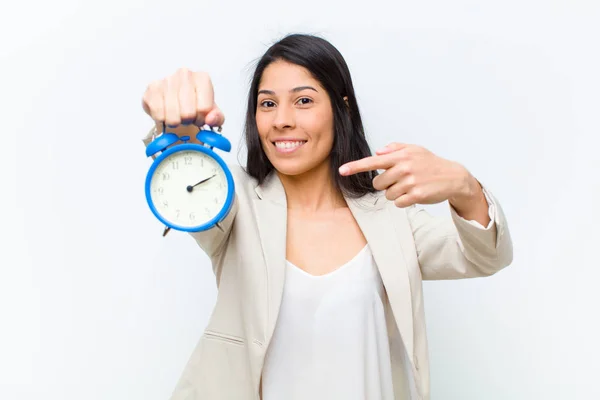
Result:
x=188 y=188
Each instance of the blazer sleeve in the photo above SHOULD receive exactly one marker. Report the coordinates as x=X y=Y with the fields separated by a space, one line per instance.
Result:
x=454 y=248
x=214 y=240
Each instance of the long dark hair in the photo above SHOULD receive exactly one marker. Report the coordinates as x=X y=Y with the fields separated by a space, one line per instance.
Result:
x=326 y=65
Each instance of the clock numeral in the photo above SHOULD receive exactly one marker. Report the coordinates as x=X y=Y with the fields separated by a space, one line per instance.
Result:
x=165 y=204
x=175 y=164
x=202 y=162
x=207 y=211
x=188 y=160
x=192 y=216
x=216 y=200
x=214 y=170
x=177 y=214
x=161 y=190
x=166 y=176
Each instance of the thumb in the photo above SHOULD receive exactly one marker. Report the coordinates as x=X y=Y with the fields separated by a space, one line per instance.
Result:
x=215 y=117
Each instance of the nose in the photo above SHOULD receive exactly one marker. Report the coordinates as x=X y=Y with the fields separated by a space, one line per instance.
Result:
x=285 y=118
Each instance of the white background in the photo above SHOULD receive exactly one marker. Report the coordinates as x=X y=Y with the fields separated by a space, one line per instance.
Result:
x=95 y=304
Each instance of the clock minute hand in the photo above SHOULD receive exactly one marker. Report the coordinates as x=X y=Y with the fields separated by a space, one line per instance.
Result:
x=191 y=187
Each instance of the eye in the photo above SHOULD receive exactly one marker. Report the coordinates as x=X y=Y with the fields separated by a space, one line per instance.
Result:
x=304 y=101
x=267 y=103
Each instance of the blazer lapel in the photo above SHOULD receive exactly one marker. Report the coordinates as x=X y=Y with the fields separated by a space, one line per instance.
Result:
x=377 y=225
x=271 y=215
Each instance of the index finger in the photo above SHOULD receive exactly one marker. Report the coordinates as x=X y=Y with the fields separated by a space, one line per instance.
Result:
x=215 y=117
x=371 y=163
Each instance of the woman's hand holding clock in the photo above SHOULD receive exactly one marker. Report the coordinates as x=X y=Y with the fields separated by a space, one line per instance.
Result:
x=188 y=187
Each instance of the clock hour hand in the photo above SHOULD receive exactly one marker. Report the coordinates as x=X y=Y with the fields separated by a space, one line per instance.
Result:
x=191 y=187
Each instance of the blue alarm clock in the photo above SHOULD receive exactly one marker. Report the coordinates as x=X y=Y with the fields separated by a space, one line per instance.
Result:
x=188 y=186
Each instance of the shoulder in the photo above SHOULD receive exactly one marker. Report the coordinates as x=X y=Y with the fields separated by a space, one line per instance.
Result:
x=239 y=173
x=240 y=176
x=245 y=184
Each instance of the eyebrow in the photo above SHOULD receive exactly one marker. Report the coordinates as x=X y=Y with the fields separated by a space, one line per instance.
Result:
x=294 y=90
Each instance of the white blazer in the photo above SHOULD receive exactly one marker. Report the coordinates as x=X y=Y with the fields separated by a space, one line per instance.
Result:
x=248 y=258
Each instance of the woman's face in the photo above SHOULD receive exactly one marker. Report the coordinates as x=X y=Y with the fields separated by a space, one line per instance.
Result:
x=294 y=119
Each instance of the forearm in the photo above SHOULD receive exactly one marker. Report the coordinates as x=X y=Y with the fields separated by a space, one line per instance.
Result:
x=459 y=248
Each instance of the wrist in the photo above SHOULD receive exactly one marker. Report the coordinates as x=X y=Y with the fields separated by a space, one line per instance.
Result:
x=468 y=192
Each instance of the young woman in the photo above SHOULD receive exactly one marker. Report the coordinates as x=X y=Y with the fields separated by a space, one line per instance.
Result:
x=320 y=262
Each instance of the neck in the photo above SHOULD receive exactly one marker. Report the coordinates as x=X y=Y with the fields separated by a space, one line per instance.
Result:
x=313 y=191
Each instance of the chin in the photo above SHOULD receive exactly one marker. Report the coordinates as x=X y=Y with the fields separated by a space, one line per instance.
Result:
x=299 y=167
x=291 y=168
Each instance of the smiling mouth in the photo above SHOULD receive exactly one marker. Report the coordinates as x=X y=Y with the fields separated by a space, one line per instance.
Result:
x=288 y=146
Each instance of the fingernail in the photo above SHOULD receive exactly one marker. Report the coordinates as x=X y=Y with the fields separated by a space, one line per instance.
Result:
x=344 y=170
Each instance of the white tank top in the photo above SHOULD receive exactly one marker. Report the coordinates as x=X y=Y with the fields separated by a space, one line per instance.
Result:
x=331 y=340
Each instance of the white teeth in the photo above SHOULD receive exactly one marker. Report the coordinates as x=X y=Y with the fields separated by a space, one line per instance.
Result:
x=288 y=145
